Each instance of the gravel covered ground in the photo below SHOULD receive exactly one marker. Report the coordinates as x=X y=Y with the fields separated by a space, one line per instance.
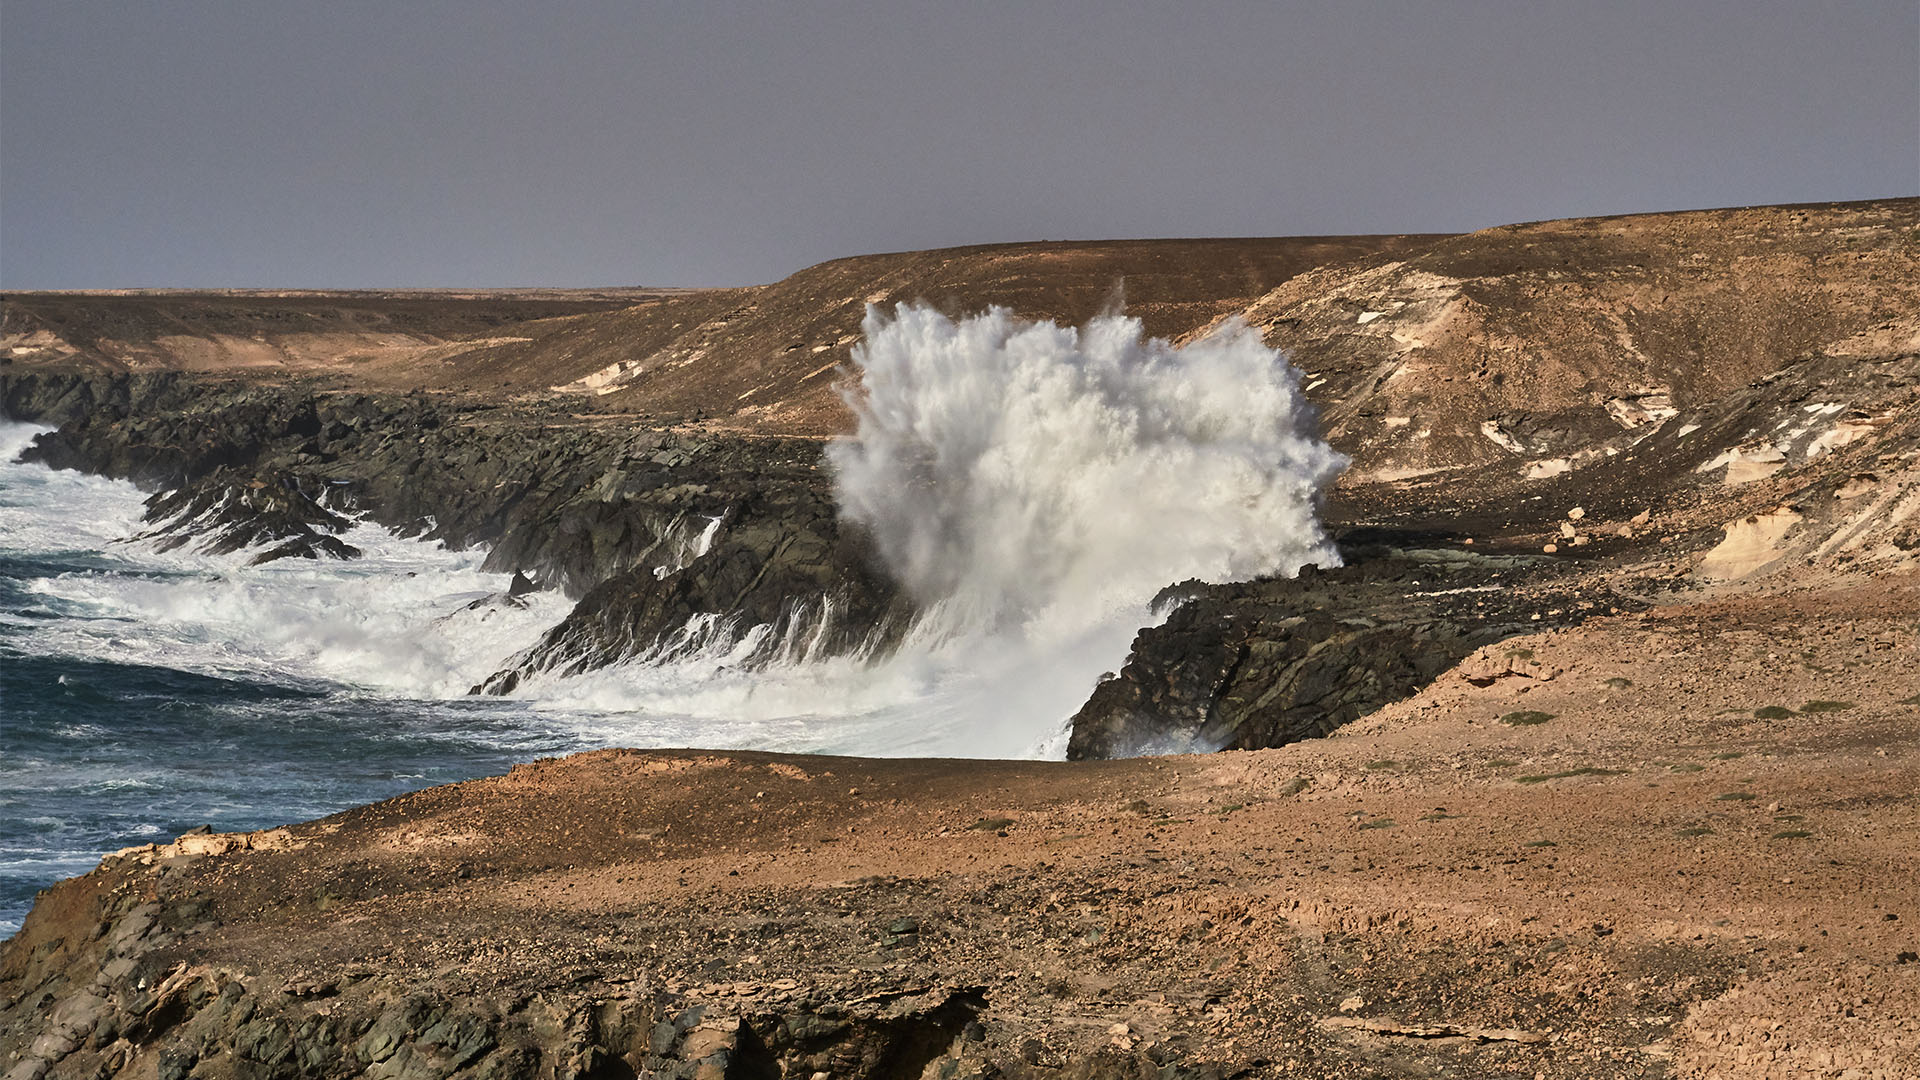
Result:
x=1580 y=853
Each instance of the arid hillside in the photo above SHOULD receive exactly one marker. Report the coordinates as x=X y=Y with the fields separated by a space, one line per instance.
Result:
x=760 y=358
x=271 y=332
x=1530 y=343
x=763 y=359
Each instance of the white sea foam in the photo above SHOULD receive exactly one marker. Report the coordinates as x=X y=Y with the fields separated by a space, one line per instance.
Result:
x=1030 y=479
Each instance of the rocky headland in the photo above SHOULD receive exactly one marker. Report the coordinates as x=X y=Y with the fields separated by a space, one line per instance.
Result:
x=1596 y=758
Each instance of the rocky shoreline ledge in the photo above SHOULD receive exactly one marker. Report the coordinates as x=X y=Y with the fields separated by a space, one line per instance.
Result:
x=608 y=512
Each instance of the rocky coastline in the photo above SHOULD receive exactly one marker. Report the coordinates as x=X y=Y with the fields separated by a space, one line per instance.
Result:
x=1596 y=758
x=609 y=513
x=655 y=531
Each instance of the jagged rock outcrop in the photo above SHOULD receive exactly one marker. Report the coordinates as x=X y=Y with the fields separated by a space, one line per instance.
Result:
x=779 y=578
x=227 y=511
x=1270 y=662
x=132 y=998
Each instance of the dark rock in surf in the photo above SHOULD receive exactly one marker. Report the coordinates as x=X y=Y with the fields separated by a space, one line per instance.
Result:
x=780 y=562
x=225 y=512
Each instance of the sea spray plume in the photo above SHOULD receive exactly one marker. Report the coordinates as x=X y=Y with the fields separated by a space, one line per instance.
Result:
x=1030 y=479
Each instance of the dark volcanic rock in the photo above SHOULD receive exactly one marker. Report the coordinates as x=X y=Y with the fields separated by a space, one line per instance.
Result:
x=231 y=512
x=651 y=527
x=1265 y=663
x=780 y=566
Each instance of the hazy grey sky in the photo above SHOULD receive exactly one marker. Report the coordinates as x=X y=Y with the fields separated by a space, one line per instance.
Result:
x=480 y=142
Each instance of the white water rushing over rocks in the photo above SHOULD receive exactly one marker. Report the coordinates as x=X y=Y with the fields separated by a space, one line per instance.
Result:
x=407 y=619
x=1029 y=480
x=1032 y=486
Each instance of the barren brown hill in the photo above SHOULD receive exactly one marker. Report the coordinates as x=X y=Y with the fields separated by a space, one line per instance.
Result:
x=1524 y=344
x=1530 y=343
x=763 y=359
x=268 y=332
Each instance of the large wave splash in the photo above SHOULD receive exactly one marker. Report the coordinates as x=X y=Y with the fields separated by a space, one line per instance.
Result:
x=1030 y=482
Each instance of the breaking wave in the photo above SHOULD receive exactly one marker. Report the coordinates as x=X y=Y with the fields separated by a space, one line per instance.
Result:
x=1030 y=480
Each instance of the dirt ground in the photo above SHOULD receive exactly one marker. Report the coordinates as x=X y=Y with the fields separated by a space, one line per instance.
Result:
x=1679 y=843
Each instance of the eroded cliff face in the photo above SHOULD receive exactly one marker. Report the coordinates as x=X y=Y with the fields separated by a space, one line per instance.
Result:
x=649 y=527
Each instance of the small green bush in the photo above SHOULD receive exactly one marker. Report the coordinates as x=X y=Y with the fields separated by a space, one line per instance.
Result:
x=1735 y=796
x=1825 y=706
x=1586 y=771
x=1772 y=712
x=1792 y=834
x=1526 y=718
